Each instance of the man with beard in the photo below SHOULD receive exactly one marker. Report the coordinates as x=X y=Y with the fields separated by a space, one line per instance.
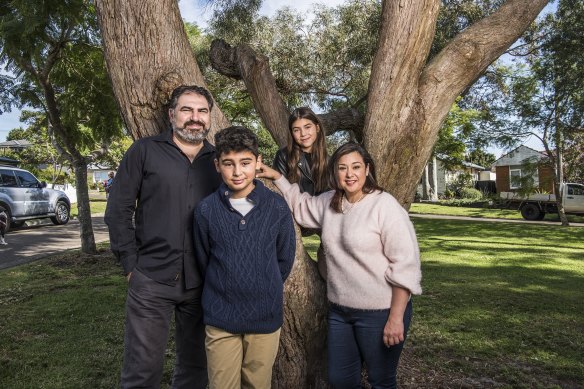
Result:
x=159 y=182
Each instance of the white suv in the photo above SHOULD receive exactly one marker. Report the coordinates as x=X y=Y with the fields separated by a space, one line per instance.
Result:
x=24 y=198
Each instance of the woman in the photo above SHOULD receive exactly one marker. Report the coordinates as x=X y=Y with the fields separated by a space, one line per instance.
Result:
x=373 y=266
x=304 y=159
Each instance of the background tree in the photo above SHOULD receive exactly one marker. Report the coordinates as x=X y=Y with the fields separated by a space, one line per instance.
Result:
x=545 y=96
x=40 y=158
x=53 y=50
x=407 y=100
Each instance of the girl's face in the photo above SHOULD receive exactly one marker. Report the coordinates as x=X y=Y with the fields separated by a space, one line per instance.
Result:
x=304 y=132
x=351 y=174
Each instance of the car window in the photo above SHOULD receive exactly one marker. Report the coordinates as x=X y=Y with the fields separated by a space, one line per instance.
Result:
x=576 y=190
x=7 y=178
x=27 y=180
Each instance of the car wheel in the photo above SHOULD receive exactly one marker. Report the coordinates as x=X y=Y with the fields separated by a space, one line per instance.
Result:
x=61 y=213
x=532 y=212
x=17 y=224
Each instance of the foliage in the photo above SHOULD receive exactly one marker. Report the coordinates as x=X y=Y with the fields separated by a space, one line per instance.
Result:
x=463 y=180
x=481 y=158
x=53 y=52
x=455 y=131
x=471 y=194
x=528 y=183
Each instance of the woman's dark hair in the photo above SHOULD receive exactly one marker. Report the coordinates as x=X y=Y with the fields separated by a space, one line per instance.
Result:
x=370 y=181
x=319 y=154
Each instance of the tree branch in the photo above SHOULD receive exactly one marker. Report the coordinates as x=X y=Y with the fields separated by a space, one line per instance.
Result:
x=242 y=62
x=471 y=52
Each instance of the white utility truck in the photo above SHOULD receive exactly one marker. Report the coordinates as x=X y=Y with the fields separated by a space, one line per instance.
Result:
x=535 y=206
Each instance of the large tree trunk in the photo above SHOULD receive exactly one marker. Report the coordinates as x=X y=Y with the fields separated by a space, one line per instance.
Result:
x=148 y=55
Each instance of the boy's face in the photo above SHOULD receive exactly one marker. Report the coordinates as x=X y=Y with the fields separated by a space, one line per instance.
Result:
x=238 y=169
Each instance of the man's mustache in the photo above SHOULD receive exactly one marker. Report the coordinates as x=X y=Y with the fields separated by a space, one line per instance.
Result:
x=194 y=122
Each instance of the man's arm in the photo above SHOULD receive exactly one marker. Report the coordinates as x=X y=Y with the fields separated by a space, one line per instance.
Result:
x=286 y=243
x=121 y=207
x=201 y=240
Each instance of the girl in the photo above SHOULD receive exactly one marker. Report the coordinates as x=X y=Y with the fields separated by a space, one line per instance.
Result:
x=304 y=159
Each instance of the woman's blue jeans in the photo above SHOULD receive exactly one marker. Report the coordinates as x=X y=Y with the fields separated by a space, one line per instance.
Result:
x=356 y=336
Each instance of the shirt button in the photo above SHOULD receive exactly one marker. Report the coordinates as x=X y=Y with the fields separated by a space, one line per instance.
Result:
x=243 y=222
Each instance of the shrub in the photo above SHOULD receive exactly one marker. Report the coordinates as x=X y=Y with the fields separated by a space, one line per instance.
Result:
x=471 y=193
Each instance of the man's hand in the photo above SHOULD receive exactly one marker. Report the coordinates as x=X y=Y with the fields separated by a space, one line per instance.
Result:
x=128 y=276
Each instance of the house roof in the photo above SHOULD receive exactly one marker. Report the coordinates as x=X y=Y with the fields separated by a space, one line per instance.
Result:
x=442 y=157
x=519 y=155
x=16 y=144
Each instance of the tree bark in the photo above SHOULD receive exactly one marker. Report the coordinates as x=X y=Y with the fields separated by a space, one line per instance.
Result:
x=83 y=207
x=148 y=55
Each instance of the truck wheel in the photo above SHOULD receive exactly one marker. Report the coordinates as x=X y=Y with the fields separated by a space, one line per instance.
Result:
x=532 y=212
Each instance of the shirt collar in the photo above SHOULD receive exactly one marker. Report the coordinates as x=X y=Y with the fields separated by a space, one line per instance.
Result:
x=255 y=195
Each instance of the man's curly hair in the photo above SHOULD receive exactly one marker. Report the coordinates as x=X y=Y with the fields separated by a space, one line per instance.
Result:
x=236 y=138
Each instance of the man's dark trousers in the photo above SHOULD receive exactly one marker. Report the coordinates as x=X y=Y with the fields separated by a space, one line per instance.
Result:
x=149 y=308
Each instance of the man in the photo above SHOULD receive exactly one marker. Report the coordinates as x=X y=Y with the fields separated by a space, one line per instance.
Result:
x=108 y=184
x=159 y=182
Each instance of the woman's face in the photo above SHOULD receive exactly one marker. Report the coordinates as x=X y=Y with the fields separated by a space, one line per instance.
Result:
x=351 y=174
x=304 y=132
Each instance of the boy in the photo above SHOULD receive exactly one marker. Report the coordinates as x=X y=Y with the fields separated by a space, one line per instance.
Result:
x=3 y=225
x=244 y=247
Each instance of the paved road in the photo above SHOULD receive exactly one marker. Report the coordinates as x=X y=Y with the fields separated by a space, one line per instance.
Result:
x=29 y=243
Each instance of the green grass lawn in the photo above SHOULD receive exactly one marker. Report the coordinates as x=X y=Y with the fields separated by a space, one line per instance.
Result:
x=502 y=307
x=438 y=209
x=96 y=205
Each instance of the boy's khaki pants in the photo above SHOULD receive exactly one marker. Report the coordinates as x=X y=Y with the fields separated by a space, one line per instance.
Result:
x=240 y=360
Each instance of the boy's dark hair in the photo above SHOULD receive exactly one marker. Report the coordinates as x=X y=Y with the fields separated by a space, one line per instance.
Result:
x=183 y=89
x=236 y=138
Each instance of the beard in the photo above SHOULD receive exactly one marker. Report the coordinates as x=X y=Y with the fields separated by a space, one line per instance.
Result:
x=189 y=136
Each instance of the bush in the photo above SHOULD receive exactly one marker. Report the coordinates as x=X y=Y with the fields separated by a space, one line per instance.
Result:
x=471 y=194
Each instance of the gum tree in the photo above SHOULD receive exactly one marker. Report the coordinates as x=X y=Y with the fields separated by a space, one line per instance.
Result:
x=408 y=97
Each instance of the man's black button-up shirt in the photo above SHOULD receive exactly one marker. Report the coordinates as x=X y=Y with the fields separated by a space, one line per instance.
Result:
x=158 y=185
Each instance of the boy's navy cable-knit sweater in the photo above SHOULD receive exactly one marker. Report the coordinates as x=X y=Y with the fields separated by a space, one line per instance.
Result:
x=244 y=260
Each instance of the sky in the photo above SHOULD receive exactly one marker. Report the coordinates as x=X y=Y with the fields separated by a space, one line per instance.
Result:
x=199 y=12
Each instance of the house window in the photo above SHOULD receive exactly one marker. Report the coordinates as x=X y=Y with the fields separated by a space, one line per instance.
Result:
x=514 y=178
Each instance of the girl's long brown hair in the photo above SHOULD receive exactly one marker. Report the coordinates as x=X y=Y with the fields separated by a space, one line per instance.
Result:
x=370 y=181
x=319 y=153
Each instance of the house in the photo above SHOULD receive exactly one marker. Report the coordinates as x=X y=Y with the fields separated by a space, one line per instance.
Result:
x=520 y=163
x=440 y=176
x=14 y=145
x=98 y=173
